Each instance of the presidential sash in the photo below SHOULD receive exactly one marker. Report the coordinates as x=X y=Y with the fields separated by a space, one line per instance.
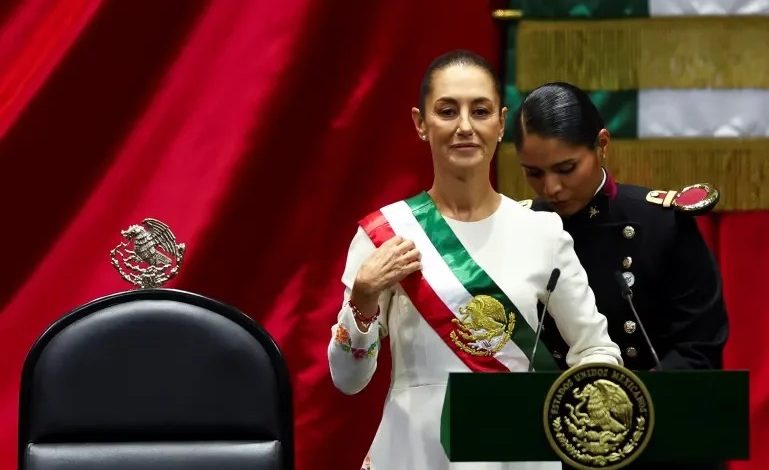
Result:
x=456 y=297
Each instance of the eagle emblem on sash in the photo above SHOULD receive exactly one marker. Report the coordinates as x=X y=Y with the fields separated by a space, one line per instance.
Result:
x=484 y=326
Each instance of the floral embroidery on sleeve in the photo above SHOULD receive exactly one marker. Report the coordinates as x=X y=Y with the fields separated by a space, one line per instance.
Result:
x=342 y=339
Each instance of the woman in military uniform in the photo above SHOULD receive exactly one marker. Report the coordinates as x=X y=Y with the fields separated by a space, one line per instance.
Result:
x=650 y=237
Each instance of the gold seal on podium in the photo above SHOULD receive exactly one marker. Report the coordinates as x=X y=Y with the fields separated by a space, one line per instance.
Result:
x=598 y=416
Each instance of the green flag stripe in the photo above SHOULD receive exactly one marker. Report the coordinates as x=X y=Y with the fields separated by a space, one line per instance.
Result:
x=618 y=108
x=584 y=9
x=472 y=276
x=512 y=96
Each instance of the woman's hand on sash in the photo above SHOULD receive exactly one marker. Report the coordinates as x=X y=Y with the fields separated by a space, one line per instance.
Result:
x=387 y=265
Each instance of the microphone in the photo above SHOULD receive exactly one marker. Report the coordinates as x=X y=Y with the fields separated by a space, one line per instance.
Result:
x=554 y=275
x=627 y=294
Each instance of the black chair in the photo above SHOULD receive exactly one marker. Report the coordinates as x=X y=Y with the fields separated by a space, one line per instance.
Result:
x=155 y=379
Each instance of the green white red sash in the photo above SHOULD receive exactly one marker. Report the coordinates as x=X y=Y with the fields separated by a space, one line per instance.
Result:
x=444 y=290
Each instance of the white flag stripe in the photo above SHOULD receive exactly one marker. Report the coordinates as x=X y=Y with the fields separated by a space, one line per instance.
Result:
x=703 y=113
x=708 y=7
x=439 y=276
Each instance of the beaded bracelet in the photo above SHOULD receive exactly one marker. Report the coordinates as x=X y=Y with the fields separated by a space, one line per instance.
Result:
x=360 y=317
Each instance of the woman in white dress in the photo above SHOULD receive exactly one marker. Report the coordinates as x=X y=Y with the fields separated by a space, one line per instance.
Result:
x=452 y=277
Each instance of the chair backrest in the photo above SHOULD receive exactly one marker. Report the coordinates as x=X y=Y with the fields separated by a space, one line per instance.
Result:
x=155 y=379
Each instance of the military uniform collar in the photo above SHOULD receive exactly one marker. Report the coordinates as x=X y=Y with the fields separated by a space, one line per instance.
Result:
x=597 y=210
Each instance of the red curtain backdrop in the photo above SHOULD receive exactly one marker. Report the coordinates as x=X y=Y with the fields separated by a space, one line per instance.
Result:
x=260 y=132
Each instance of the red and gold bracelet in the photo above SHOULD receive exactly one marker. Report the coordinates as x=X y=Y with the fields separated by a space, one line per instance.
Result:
x=360 y=317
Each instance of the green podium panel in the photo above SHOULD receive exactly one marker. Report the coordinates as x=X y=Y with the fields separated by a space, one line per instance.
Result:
x=700 y=416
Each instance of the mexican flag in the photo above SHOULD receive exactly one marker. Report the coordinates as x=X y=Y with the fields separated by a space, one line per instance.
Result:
x=683 y=86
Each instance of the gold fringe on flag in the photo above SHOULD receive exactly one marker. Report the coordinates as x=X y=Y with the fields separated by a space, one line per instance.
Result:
x=739 y=168
x=669 y=52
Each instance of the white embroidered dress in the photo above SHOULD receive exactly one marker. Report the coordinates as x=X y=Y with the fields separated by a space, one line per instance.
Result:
x=518 y=249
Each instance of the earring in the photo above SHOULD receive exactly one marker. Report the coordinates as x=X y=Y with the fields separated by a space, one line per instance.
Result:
x=499 y=139
x=423 y=137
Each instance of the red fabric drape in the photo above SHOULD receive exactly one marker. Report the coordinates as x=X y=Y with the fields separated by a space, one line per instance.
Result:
x=743 y=255
x=260 y=131
x=737 y=241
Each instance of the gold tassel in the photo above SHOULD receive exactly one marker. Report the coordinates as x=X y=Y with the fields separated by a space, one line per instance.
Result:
x=739 y=168
x=669 y=52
